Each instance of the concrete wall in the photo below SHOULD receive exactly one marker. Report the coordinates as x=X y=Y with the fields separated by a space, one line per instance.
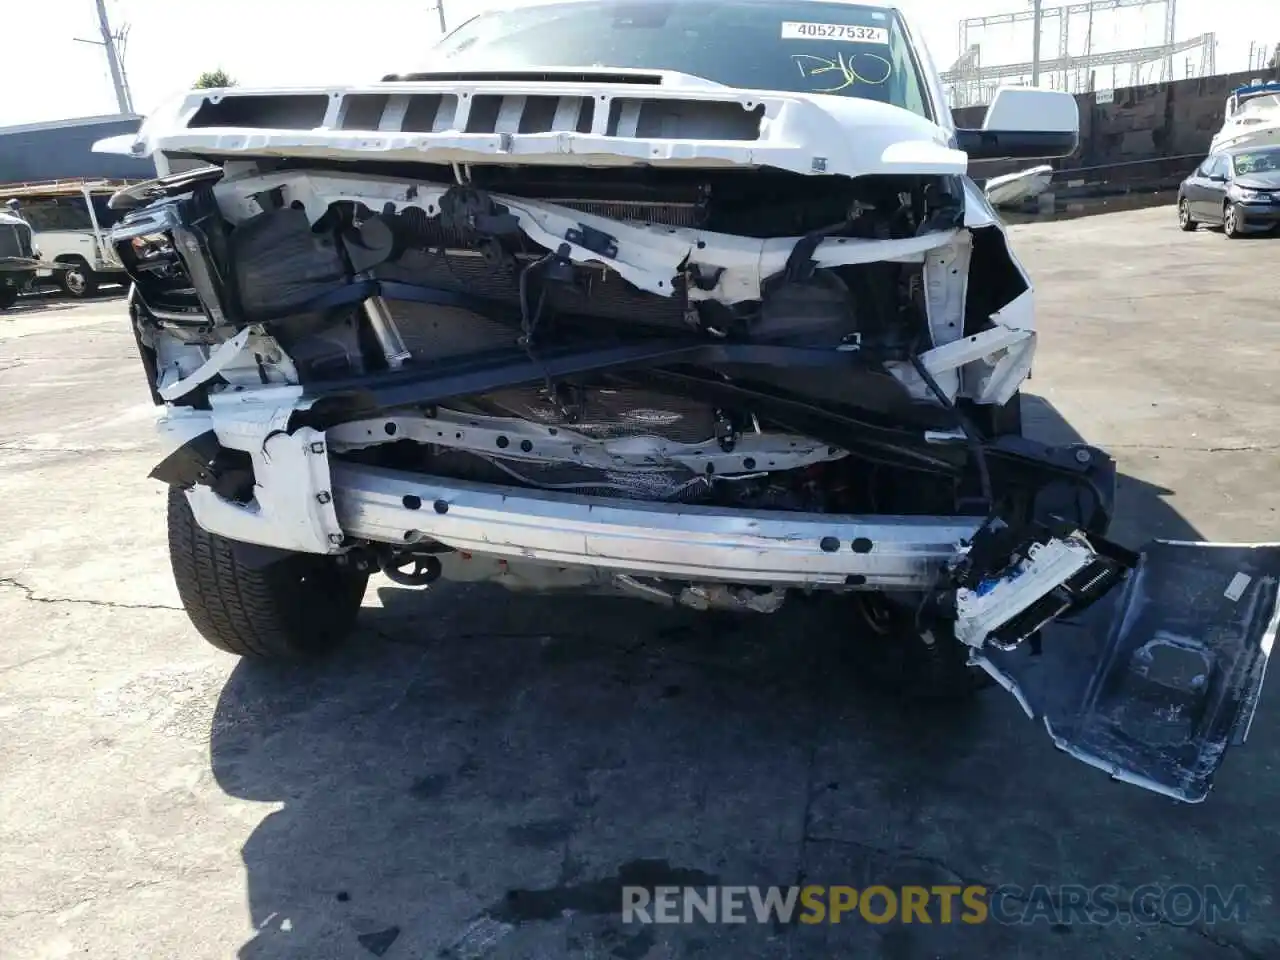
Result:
x=1147 y=122
x=64 y=151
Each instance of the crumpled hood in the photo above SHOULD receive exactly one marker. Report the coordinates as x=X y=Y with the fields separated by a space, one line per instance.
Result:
x=529 y=121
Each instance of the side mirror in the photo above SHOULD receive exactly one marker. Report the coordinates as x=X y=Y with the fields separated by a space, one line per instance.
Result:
x=1025 y=123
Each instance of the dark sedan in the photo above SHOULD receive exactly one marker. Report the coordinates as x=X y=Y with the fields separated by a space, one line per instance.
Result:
x=1237 y=189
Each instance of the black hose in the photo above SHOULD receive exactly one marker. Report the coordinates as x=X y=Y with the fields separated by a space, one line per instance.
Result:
x=425 y=569
x=970 y=432
x=529 y=318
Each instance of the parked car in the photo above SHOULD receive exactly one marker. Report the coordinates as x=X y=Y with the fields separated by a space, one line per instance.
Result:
x=70 y=219
x=688 y=301
x=1236 y=189
x=18 y=259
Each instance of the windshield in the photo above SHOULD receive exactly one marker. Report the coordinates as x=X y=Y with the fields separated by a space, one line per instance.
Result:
x=1265 y=103
x=1257 y=161
x=57 y=213
x=801 y=47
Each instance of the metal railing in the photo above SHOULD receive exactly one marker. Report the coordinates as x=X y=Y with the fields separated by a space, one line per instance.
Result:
x=61 y=188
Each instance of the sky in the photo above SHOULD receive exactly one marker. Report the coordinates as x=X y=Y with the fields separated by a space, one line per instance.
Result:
x=45 y=74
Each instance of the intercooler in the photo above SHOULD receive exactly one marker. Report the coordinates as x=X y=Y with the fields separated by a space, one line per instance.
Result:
x=639 y=211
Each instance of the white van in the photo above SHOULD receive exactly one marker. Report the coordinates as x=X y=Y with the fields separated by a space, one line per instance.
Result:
x=69 y=219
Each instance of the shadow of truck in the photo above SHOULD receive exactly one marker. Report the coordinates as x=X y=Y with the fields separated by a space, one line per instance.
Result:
x=484 y=771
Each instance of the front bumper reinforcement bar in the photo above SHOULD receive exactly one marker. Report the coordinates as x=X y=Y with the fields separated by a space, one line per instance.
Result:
x=669 y=540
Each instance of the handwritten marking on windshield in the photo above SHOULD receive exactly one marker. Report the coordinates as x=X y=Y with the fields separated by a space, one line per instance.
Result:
x=818 y=65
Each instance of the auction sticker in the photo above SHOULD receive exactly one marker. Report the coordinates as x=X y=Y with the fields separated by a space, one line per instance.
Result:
x=852 y=33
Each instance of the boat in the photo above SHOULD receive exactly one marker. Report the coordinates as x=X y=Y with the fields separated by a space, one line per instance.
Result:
x=1012 y=189
x=1251 y=118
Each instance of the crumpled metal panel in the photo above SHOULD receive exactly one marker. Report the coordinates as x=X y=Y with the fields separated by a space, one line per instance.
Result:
x=1166 y=676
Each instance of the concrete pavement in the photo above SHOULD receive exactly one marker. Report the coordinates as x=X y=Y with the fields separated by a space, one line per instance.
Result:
x=479 y=774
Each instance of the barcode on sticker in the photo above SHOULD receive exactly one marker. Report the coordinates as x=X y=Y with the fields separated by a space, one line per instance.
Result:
x=1236 y=588
x=850 y=33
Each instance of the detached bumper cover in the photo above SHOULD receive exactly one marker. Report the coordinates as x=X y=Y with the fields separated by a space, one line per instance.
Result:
x=1165 y=674
x=1179 y=676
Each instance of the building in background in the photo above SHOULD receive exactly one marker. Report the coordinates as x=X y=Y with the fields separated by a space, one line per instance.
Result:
x=63 y=150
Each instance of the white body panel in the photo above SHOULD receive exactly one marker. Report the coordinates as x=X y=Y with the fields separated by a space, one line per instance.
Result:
x=810 y=134
x=71 y=245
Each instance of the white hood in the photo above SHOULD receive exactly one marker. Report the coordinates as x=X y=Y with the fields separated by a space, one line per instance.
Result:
x=680 y=122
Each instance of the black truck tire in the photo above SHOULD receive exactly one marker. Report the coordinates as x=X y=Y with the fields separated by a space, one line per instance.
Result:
x=299 y=606
x=77 y=279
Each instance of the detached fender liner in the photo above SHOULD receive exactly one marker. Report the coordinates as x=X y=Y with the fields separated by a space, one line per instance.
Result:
x=203 y=460
x=229 y=473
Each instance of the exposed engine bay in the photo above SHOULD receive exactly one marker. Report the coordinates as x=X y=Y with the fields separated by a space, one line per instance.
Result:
x=718 y=389
x=736 y=340
x=659 y=340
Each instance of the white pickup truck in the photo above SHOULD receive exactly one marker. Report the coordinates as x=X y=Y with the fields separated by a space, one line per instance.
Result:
x=690 y=301
x=70 y=220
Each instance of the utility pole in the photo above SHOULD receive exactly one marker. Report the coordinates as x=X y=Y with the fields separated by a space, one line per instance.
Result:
x=1038 y=23
x=124 y=103
x=113 y=60
x=439 y=9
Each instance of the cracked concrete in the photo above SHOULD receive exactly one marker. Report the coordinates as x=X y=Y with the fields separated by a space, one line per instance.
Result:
x=35 y=598
x=480 y=773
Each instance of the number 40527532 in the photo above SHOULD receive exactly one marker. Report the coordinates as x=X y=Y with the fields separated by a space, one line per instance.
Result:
x=834 y=31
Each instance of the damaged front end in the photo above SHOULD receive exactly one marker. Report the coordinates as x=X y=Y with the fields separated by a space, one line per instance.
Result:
x=713 y=386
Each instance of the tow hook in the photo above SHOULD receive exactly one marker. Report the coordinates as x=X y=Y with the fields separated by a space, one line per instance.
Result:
x=410 y=570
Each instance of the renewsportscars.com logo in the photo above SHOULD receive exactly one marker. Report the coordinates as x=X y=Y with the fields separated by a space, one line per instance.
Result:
x=1181 y=904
